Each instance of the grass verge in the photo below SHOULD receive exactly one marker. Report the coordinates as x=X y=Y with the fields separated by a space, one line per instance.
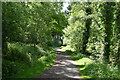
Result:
x=94 y=69
x=26 y=61
x=38 y=67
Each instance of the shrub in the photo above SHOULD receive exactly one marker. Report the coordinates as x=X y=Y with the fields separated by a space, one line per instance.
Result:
x=19 y=59
x=24 y=53
x=94 y=68
x=35 y=51
x=9 y=68
x=98 y=70
x=16 y=55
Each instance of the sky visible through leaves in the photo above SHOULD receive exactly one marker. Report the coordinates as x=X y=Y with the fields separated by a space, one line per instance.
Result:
x=65 y=5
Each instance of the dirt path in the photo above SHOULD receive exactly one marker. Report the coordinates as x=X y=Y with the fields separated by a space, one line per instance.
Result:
x=63 y=68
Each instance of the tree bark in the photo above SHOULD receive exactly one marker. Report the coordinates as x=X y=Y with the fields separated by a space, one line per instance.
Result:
x=108 y=17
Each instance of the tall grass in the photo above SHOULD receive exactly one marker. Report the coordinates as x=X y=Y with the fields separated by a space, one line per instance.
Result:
x=26 y=61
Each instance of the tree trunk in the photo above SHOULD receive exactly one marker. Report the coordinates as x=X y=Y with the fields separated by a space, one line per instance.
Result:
x=86 y=33
x=108 y=17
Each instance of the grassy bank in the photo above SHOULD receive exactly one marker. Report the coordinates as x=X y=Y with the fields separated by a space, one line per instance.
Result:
x=93 y=68
x=38 y=67
x=26 y=61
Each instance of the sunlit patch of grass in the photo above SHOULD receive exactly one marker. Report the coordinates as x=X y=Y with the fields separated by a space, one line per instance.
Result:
x=82 y=68
x=85 y=77
x=84 y=61
x=64 y=48
x=42 y=58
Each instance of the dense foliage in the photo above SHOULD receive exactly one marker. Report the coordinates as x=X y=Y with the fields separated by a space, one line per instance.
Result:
x=29 y=29
x=34 y=23
x=94 y=29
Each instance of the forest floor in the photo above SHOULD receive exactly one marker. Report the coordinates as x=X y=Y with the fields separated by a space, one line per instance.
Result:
x=64 y=67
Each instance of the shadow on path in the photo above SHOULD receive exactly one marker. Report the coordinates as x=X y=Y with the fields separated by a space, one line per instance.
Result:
x=64 y=67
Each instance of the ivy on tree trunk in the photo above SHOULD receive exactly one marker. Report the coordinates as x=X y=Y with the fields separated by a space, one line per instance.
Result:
x=86 y=33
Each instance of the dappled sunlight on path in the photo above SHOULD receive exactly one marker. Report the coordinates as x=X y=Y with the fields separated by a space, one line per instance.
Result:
x=64 y=67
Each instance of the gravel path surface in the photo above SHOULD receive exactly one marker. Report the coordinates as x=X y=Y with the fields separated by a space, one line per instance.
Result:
x=64 y=67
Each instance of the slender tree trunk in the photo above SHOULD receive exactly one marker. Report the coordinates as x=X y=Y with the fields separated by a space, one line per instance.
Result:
x=108 y=17
x=86 y=33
